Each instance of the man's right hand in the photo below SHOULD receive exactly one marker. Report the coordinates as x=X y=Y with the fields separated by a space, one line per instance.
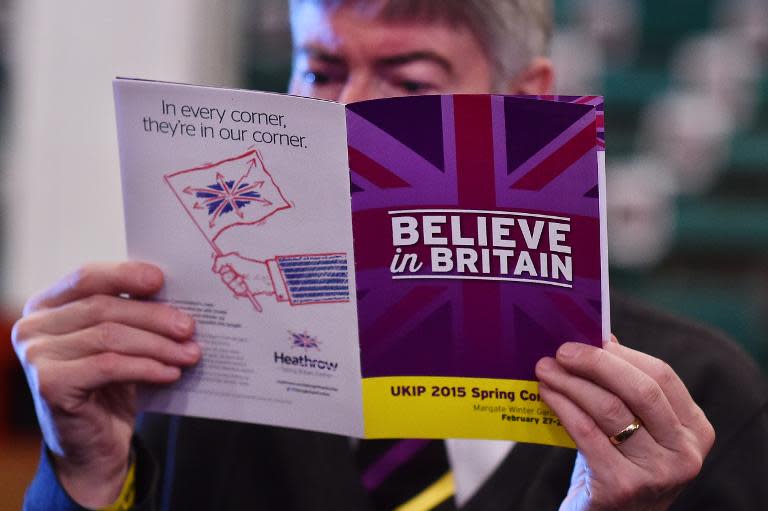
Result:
x=83 y=347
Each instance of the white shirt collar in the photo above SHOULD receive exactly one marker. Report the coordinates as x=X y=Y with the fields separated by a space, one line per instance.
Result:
x=473 y=462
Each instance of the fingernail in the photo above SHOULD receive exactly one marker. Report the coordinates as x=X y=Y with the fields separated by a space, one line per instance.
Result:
x=611 y=341
x=184 y=323
x=191 y=349
x=545 y=365
x=151 y=277
x=570 y=350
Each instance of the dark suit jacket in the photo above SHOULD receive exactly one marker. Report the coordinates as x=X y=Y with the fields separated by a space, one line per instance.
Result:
x=191 y=464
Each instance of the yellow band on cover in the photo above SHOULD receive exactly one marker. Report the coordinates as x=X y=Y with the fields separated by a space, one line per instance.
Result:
x=127 y=495
x=434 y=495
x=457 y=407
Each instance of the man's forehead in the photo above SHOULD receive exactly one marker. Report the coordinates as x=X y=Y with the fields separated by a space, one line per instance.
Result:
x=448 y=11
x=340 y=28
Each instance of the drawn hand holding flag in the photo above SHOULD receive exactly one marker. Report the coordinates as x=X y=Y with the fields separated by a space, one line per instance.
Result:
x=233 y=192
x=299 y=279
x=244 y=277
x=240 y=191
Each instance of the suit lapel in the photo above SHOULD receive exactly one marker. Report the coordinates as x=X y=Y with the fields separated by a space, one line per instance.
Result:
x=323 y=467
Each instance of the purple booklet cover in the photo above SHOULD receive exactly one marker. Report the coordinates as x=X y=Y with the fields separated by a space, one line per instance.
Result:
x=479 y=249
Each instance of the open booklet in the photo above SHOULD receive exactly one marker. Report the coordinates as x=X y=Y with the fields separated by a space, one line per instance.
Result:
x=388 y=268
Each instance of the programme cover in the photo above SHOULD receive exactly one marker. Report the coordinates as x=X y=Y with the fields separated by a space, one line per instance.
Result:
x=392 y=268
x=477 y=233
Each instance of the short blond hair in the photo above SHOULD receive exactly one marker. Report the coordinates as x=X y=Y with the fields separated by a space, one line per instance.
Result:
x=512 y=32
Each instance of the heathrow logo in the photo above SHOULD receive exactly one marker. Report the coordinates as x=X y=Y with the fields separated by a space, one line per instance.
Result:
x=307 y=342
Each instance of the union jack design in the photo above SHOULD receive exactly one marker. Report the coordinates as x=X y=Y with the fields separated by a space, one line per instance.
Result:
x=224 y=196
x=231 y=192
x=595 y=101
x=304 y=340
x=489 y=153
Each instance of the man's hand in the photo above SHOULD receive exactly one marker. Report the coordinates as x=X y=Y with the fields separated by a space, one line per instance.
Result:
x=83 y=347
x=598 y=392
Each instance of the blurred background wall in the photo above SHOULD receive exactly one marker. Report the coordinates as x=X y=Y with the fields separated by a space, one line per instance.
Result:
x=60 y=198
x=686 y=86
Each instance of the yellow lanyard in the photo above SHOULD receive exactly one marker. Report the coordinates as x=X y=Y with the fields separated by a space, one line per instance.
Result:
x=432 y=496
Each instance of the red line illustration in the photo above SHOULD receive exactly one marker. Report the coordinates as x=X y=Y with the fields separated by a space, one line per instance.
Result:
x=240 y=191
x=299 y=279
x=232 y=192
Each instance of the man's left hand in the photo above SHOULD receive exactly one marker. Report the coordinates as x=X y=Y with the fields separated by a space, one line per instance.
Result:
x=597 y=393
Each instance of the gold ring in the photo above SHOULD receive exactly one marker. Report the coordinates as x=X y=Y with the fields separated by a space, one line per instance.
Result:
x=623 y=435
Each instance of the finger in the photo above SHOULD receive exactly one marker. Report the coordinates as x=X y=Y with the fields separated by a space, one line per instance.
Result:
x=113 y=338
x=99 y=370
x=131 y=277
x=606 y=409
x=686 y=409
x=611 y=339
x=613 y=480
x=589 y=438
x=644 y=397
x=152 y=317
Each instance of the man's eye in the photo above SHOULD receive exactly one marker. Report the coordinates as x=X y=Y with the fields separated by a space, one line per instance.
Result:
x=316 y=78
x=414 y=87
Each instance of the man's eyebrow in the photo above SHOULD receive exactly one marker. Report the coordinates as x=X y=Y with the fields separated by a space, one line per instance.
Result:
x=416 y=56
x=321 y=55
